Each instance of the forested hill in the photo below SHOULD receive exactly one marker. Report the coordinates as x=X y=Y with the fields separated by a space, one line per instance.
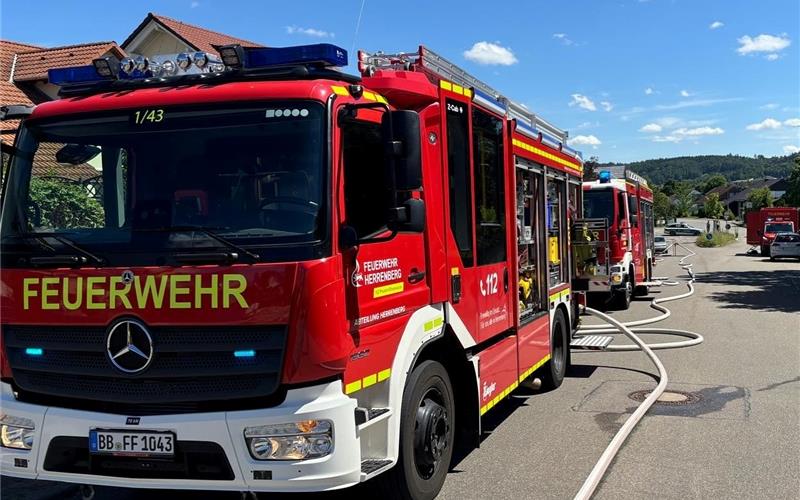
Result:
x=692 y=168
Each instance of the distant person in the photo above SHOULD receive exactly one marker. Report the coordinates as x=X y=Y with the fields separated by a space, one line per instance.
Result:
x=708 y=226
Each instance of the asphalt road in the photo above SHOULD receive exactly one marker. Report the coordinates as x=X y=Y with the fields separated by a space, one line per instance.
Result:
x=741 y=439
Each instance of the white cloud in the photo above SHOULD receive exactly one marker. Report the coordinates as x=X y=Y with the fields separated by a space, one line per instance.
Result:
x=607 y=106
x=490 y=54
x=648 y=91
x=194 y=5
x=770 y=105
x=666 y=138
x=294 y=30
x=772 y=57
x=651 y=128
x=769 y=123
x=699 y=131
x=563 y=38
x=685 y=93
x=584 y=125
x=791 y=149
x=716 y=25
x=585 y=140
x=582 y=101
x=763 y=43
x=792 y=122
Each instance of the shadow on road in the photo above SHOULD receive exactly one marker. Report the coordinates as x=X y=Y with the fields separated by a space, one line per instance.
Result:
x=777 y=290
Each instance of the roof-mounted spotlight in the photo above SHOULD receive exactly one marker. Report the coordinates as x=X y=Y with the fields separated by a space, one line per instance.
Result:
x=232 y=55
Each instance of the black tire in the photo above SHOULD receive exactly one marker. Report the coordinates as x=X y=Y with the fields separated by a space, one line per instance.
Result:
x=426 y=435
x=771 y=258
x=765 y=250
x=555 y=369
x=621 y=300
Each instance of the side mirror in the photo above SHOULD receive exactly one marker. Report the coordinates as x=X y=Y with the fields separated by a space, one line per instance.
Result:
x=401 y=135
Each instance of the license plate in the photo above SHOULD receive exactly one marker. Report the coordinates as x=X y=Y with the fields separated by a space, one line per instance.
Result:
x=132 y=444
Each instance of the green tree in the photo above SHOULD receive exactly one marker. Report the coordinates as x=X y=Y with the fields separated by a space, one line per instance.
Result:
x=590 y=168
x=792 y=196
x=682 y=199
x=63 y=205
x=715 y=180
x=713 y=207
x=760 y=198
x=662 y=206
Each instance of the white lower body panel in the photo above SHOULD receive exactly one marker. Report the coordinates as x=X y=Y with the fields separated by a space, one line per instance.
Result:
x=326 y=401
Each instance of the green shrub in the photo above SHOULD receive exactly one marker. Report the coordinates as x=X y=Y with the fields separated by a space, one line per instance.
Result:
x=64 y=205
x=719 y=239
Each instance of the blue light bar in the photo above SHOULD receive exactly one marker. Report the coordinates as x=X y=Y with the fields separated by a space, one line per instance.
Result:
x=245 y=354
x=74 y=74
x=324 y=53
x=34 y=351
x=604 y=177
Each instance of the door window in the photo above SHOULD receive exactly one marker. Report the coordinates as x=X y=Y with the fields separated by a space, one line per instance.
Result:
x=458 y=172
x=487 y=156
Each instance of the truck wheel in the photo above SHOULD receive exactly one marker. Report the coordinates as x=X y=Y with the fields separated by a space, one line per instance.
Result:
x=554 y=370
x=622 y=297
x=426 y=435
x=765 y=250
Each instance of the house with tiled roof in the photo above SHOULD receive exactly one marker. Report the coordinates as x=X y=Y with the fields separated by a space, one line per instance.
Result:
x=159 y=34
x=23 y=69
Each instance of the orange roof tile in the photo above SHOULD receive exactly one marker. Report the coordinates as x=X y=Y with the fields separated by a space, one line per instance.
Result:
x=33 y=65
x=199 y=38
x=45 y=165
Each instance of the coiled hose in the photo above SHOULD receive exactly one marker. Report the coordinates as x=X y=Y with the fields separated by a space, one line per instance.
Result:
x=631 y=329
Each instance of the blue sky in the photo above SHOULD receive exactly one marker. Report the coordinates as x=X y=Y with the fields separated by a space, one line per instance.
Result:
x=629 y=79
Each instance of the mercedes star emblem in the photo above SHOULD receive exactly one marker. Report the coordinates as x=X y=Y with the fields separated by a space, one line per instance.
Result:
x=129 y=346
x=127 y=276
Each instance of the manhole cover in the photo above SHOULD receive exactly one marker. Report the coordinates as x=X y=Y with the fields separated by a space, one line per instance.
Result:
x=668 y=398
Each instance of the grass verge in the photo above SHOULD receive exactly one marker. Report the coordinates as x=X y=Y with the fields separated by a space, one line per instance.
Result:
x=719 y=239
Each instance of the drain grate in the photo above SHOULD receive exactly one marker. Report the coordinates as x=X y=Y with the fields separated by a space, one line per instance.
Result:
x=668 y=398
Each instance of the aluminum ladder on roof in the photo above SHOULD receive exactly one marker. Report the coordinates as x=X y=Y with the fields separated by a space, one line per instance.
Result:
x=438 y=66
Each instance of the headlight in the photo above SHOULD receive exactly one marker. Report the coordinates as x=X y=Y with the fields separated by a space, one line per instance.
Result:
x=16 y=432
x=292 y=441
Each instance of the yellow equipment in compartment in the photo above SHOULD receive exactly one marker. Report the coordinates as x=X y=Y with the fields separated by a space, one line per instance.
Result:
x=555 y=257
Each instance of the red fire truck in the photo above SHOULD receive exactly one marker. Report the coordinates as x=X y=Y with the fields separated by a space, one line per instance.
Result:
x=764 y=224
x=614 y=242
x=278 y=277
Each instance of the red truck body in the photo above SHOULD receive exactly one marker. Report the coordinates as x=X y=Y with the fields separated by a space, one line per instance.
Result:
x=764 y=224
x=257 y=325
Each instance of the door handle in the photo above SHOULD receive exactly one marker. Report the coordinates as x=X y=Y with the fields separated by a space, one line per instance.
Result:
x=415 y=276
x=505 y=280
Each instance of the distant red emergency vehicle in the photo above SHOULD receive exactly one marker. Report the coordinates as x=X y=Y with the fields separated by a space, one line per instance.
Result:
x=764 y=224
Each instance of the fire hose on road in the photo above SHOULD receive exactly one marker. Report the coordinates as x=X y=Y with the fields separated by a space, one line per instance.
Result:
x=632 y=329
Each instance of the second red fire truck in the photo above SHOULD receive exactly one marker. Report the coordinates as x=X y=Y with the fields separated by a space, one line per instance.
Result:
x=615 y=241
x=284 y=278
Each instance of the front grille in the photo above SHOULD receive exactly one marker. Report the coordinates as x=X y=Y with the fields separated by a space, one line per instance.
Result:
x=193 y=460
x=193 y=368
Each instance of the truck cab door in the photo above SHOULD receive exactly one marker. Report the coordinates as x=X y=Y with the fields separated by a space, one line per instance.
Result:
x=478 y=187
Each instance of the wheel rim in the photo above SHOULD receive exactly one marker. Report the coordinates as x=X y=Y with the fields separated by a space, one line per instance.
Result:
x=431 y=430
x=558 y=347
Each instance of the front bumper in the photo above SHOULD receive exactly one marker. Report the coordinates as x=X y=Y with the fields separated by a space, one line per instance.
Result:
x=226 y=429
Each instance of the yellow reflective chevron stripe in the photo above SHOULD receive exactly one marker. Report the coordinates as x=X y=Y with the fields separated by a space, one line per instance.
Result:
x=370 y=96
x=367 y=381
x=505 y=392
x=550 y=156
x=559 y=295
x=455 y=88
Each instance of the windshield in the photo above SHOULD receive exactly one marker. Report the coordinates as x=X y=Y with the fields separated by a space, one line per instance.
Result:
x=782 y=227
x=135 y=187
x=599 y=204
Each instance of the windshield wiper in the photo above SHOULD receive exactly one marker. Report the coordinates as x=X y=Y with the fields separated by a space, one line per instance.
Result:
x=208 y=231
x=61 y=259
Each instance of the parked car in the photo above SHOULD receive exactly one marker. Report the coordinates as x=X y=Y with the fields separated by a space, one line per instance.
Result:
x=785 y=245
x=681 y=228
x=660 y=244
